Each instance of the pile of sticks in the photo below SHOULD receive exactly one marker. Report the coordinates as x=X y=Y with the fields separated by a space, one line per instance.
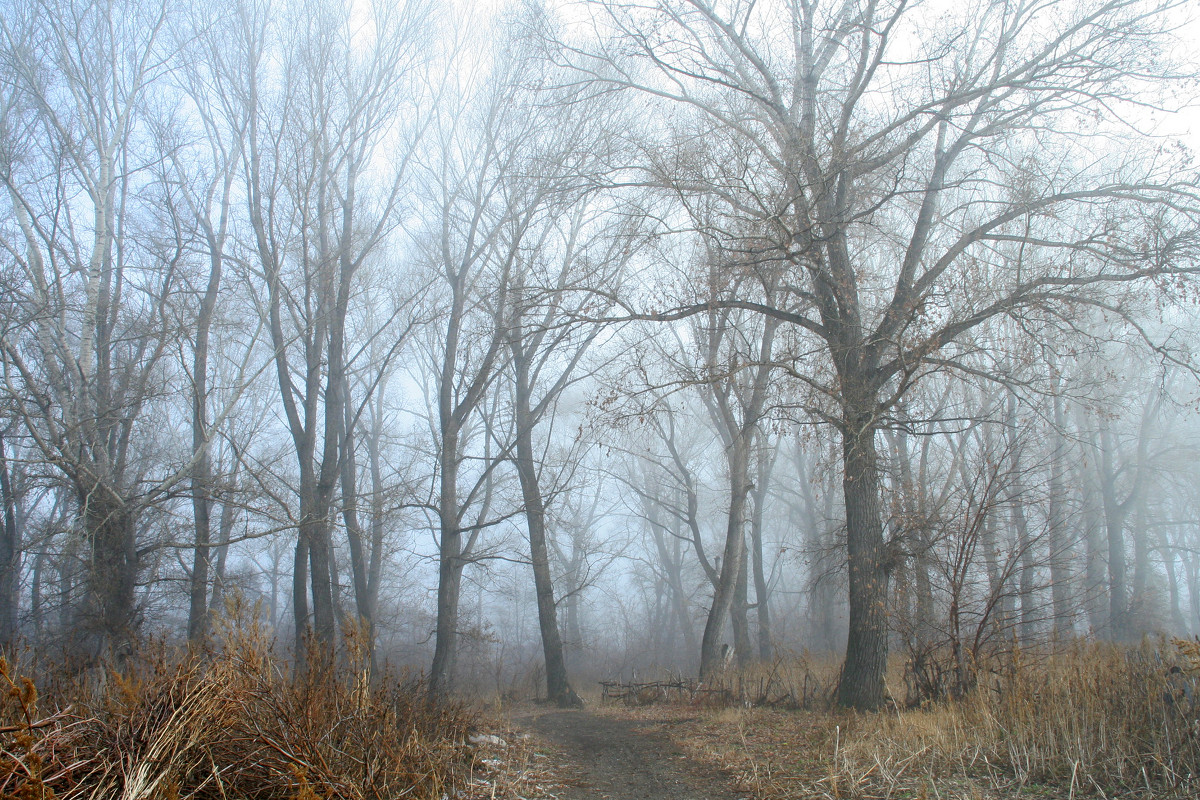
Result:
x=677 y=690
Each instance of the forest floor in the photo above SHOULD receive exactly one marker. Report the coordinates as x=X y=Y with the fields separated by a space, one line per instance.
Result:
x=681 y=752
x=617 y=755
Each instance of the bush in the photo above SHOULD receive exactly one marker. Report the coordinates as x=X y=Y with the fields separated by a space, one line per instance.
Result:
x=238 y=722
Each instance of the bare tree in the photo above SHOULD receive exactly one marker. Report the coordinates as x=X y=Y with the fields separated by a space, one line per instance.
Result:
x=545 y=351
x=318 y=210
x=913 y=181
x=100 y=266
x=473 y=262
x=10 y=552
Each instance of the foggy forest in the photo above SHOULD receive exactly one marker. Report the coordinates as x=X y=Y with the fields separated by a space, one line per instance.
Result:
x=790 y=357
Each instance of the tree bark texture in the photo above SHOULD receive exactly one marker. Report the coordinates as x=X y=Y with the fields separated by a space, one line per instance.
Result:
x=862 y=681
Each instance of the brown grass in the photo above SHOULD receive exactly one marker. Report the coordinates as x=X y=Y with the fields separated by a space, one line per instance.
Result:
x=238 y=723
x=1091 y=720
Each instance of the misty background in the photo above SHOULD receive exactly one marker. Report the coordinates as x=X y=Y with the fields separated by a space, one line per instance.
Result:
x=534 y=341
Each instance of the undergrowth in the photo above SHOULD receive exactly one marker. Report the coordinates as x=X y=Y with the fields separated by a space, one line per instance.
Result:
x=1087 y=720
x=237 y=722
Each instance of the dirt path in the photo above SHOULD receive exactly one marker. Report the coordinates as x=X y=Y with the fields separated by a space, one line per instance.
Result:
x=622 y=759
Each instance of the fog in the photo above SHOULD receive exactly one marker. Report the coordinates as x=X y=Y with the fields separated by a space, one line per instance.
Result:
x=536 y=345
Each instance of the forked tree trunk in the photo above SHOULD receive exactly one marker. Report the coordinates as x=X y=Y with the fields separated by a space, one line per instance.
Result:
x=732 y=560
x=108 y=616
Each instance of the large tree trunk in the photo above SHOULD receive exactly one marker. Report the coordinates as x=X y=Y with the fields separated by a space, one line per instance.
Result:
x=375 y=565
x=225 y=533
x=1060 y=572
x=201 y=480
x=739 y=613
x=199 y=615
x=731 y=561
x=314 y=530
x=442 y=672
x=300 y=613
x=862 y=683
x=108 y=617
x=1114 y=528
x=10 y=553
x=1016 y=499
x=762 y=591
x=558 y=688
x=359 y=567
x=201 y=477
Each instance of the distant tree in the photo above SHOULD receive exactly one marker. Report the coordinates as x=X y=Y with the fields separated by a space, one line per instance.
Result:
x=318 y=208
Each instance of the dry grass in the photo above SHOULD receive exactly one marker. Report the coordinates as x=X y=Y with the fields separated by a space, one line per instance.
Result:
x=238 y=723
x=1092 y=720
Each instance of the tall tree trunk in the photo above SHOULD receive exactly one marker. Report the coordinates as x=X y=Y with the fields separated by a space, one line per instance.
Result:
x=1059 y=536
x=732 y=558
x=300 y=613
x=224 y=534
x=558 y=688
x=739 y=612
x=1168 y=557
x=10 y=553
x=1016 y=500
x=762 y=590
x=108 y=616
x=359 y=566
x=201 y=477
x=1140 y=603
x=1114 y=528
x=862 y=682
x=442 y=672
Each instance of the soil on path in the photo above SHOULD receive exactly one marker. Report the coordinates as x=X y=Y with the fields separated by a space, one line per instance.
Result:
x=622 y=759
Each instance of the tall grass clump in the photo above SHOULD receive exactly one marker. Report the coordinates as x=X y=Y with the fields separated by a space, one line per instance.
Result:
x=1089 y=719
x=234 y=722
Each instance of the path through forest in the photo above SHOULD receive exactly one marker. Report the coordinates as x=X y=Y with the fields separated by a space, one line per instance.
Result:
x=622 y=759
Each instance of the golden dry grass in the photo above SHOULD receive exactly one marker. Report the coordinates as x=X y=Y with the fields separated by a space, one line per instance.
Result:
x=239 y=723
x=1090 y=720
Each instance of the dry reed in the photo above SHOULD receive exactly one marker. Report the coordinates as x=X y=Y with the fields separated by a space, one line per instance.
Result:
x=1087 y=720
x=238 y=722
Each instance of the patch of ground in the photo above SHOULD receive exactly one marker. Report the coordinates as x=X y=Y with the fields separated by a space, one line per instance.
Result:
x=618 y=757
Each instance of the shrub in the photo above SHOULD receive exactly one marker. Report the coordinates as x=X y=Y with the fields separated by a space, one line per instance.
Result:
x=235 y=722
